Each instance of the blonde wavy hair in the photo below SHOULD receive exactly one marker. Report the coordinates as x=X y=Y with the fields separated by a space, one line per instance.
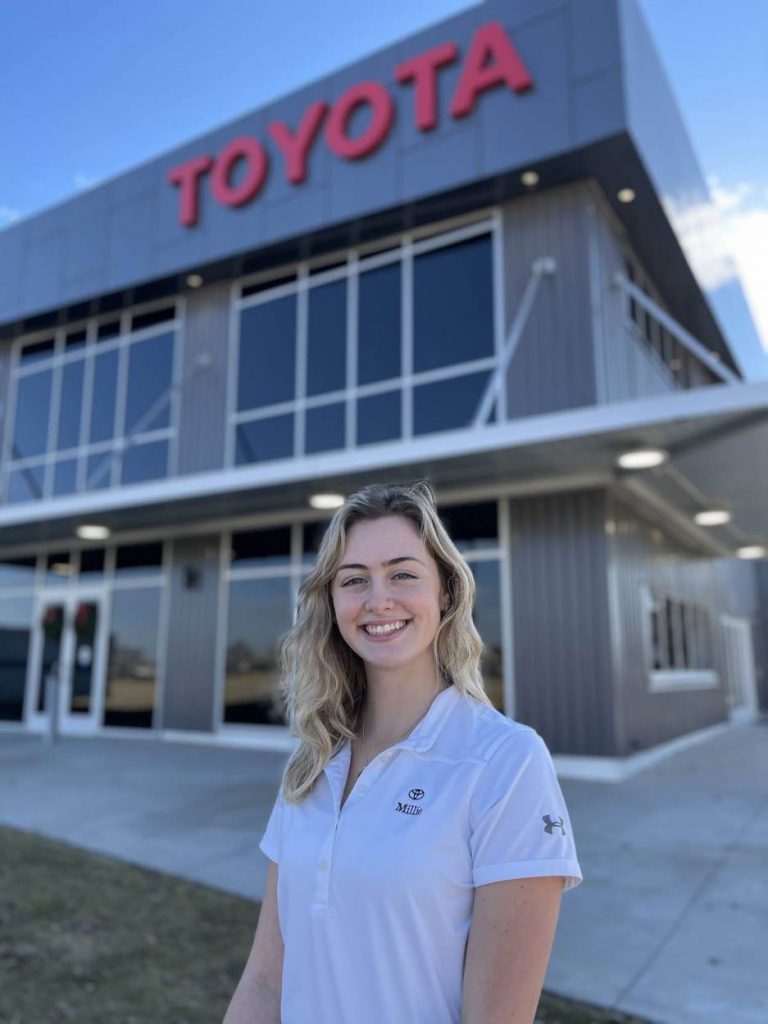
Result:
x=323 y=681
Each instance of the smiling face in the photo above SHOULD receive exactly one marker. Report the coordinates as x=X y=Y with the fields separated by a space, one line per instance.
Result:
x=387 y=576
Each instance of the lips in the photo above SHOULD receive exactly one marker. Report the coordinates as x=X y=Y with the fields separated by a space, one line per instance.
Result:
x=388 y=634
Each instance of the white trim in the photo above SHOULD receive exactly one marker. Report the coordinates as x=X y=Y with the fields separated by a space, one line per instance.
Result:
x=499 y=307
x=682 y=679
x=507 y=611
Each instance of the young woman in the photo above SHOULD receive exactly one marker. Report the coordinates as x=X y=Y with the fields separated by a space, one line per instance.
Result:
x=420 y=843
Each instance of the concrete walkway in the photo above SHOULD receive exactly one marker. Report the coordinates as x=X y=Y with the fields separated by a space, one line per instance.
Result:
x=670 y=922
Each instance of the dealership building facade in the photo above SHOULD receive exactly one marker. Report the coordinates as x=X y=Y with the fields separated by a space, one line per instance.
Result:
x=462 y=258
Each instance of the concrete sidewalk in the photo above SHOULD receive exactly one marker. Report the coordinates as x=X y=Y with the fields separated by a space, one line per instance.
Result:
x=670 y=922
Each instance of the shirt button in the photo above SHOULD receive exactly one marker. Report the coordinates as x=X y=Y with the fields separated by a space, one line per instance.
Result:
x=323 y=865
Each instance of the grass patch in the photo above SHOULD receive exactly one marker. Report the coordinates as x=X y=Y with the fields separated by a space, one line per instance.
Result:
x=89 y=939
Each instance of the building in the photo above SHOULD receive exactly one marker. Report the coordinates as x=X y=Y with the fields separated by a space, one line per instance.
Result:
x=463 y=257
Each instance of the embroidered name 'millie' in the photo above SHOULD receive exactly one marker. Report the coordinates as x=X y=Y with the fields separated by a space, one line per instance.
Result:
x=408 y=808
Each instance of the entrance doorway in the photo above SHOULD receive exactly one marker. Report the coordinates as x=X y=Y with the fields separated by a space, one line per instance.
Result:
x=739 y=656
x=68 y=662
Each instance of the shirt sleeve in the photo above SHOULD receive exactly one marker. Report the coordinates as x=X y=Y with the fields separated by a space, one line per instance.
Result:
x=271 y=843
x=519 y=824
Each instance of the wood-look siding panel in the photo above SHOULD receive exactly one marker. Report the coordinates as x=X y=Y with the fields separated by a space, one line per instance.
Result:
x=202 y=427
x=563 y=682
x=188 y=696
x=640 y=554
x=553 y=365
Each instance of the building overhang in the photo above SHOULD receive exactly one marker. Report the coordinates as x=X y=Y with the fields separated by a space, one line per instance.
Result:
x=717 y=438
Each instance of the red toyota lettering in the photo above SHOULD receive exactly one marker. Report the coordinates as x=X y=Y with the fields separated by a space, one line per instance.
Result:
x=295 y=146
x=422 y=71
x=506 y=67
x=256 y=160
x=187 y=177
x=382 y=112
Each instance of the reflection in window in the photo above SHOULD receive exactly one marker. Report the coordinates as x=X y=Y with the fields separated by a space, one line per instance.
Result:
x=453 y=304
x=486 y=615
x=17 y=572
x=33 y=406
x=679 y=632
x=145 y=462
x=132 y=659
x=324 y=428
x=259 y=615
x=379 y=320
x=472 y=526
x=251 y=548
x=132 y=560
x=104 y=397
x=98 y=471
x=65 y=476
x=267 y=338
x=378 y=418
x=150 y=375
x=71 y=405
x=327 y=341
x=448 y=404
x=25 y=484
x=259 y=440
x=15 y=626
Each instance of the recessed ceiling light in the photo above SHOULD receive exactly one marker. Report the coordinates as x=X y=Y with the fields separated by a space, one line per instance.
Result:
x=194 y=280
x=752 y=551
x=326 y=500
x=712 y=517
x=642 y=458
x=90 y=531
x=529 y=178
x=625 y=195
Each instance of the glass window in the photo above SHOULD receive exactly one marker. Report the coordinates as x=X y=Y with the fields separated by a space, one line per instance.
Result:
x=75 y=340
x=132 y=672
x=15 y=627
x=17 y=572
x=145 y=462
x=65 y=476
x=138 y=560
x=70 y=408
x=150 y=374
x=453 y=304
x=104 y=397
x=92 y=561
x=486 y=615
x=259 y=615
x=33 y=407
x=472 y=527
x=448 y=404
x=59 y=569
x=157 y=316
x=327 y=341
x=324 y=428
x=36 y=351
x=261 y=547
x=313 y=534
x=259 y=440
x=379 y=320
x=110 y=329
x=378 y=418
x=25 y=484
x=98 y=471
x=267 y=339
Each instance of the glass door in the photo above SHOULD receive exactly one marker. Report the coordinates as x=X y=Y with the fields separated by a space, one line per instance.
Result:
x=69 y=659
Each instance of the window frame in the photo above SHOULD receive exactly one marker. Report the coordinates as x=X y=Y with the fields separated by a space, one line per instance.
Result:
x=688 y=615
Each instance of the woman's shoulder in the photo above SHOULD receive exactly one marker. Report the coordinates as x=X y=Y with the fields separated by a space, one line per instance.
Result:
x=479 y=730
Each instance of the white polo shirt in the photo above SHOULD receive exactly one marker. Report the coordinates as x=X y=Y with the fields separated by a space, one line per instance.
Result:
x=375 y=900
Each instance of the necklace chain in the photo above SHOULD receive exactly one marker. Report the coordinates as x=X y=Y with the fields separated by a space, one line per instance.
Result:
x=399 y=738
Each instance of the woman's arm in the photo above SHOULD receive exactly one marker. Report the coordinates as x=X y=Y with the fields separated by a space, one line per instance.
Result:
x=256 y=999
x=510 y=940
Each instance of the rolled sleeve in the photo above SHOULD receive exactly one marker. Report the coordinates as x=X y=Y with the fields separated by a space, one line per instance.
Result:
x=519 y=824
x=271 y=841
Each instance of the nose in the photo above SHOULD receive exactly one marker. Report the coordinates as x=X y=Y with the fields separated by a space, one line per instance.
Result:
x=378 y=596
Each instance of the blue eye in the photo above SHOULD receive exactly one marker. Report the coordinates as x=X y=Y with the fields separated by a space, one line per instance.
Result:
x=353 y=579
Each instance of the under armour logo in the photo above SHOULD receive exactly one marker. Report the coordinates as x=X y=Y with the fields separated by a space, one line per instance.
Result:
x=549 y=824
x=416 y=794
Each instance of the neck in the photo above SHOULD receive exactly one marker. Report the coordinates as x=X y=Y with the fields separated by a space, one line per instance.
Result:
x=393 y=709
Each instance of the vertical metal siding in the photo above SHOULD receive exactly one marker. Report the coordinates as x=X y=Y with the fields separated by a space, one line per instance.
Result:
x=553 y=367
x=191 y=641
x=202 y=426
x=641 y=553
x=5 y=394
x=564 y=687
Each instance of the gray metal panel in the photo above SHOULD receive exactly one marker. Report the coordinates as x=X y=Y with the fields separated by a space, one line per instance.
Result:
x=191 y=643
x=5 y=391
x=553 y=365
x=202 y=427
x=563 y=682
x=641 y=553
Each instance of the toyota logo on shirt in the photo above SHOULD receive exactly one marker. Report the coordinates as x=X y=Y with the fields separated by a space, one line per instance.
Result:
x=415 y=794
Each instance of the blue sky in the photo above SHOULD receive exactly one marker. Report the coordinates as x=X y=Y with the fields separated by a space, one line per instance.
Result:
x=92 y=89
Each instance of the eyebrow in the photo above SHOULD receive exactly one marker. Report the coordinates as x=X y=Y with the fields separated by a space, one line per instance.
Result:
x=392 y=561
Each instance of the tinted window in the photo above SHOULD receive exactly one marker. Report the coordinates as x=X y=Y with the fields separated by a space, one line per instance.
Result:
x=58 y=569
x=33 y=406
x=17 y=572
x=145 y=462
x=98 y=471
x=270 y=438
x=130 y=692
x=65 y=476
x=111 y=329
x=37 y=350
x=378 y=355
x=453 y=304
x=472 y=526
x=327 y=342
x=15 y=624
x=267 y=339
x=313 y=535
x=447 y=404
x=75 y=339
x=261 y=547
x=25 y=484
x=104 y=396
x=91 y=561
x=378 y=418
x=150 y=371
x=486 y=615
x=138 y=559
x=158 y=316
x=324 y=428
x=71 y=405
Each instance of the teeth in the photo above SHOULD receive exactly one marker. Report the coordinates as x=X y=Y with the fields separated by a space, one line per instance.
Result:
x=377 y=630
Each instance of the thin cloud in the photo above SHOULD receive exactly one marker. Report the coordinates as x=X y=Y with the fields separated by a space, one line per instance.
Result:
x=83 y=180
x=8 y=215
